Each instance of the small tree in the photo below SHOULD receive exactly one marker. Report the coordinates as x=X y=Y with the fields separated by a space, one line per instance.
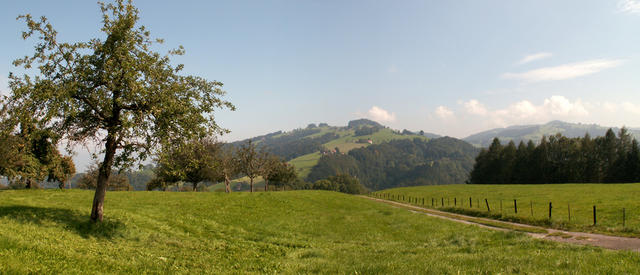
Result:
x=228 y=165
x=115 y=91
x=62 y=171
x=117 y=181
x=269 y=165
x=285 y=174
x=193 y=162
x=250 y=161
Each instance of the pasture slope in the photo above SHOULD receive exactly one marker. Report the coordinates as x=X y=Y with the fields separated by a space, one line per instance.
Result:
x=275 y=232
x=572 y=204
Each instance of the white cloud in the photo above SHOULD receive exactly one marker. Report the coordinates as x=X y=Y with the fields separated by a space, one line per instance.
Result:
x=566 y=71
x=534 y=57
x=378 y=114
x=443 y=112
x=525 y=112
x=629 y=6
x=561 y=106
x=475 y=108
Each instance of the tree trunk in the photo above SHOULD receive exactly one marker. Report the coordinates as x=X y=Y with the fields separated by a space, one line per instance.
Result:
x=266 y=185
x=195 y=187
x=61 y=185
x=27 y=184
x=251 y=181
x=227 y=184
x=103 y=177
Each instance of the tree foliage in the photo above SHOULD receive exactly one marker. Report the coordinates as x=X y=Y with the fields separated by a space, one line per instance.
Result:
x=559 y=159
x=250 y=161
x=192 y=162
x=114 y=91
x=401 y=163
x=28 y=155
x=340 y=183
x=117 y=181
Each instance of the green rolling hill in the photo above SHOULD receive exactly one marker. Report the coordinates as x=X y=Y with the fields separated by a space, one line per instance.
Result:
x=304 y=147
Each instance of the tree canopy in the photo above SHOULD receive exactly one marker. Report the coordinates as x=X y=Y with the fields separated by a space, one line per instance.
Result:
x=559 y=159
x=114 y=91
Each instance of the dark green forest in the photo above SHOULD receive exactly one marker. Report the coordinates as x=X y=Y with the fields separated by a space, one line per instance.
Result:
x=559 y=159
x=401 y=163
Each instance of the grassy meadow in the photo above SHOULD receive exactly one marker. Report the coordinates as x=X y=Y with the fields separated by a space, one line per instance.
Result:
x=47 y=231
x=609 y=199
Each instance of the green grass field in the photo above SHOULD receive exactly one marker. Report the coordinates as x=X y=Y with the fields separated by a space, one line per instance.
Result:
x=609 y=200
x=276 y=232
x=303 y=164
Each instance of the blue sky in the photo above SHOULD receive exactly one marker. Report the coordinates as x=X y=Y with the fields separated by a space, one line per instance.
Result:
x=448 y=67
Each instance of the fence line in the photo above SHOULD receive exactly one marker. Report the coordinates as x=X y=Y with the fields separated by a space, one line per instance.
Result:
x=435 y=203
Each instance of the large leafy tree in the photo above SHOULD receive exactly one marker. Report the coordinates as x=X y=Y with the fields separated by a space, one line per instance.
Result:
x=115 y=91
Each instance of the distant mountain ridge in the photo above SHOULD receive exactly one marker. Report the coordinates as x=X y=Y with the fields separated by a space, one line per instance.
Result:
x=535 y=132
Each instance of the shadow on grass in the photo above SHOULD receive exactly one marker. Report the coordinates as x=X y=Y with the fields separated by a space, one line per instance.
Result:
x=72 y=220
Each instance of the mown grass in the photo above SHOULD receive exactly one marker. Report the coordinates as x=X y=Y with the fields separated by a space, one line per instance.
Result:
x=276 y=232
x=609 y=199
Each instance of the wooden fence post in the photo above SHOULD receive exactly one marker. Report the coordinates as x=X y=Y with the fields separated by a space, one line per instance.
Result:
x=594 y=215
x=470 y=204
x=531 y=202
x=455 y=201
x=487 y=202
x=550 y=206
x=515 y=206
x=569 y=211
x=442 y=202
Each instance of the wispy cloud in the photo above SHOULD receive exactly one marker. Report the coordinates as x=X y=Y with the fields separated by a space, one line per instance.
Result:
x=534 y=57
x=566 y=71
x=381 y=115
x=629 y=6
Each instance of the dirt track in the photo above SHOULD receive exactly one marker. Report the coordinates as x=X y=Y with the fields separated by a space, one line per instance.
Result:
x=604 y=241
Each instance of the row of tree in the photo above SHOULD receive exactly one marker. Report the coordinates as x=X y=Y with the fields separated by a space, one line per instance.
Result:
x=206 y=160
x=559 y=159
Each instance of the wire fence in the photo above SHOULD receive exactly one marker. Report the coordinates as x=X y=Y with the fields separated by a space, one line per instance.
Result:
x=559 y=214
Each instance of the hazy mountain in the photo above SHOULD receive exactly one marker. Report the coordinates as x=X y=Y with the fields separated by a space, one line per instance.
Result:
x=535 y=132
